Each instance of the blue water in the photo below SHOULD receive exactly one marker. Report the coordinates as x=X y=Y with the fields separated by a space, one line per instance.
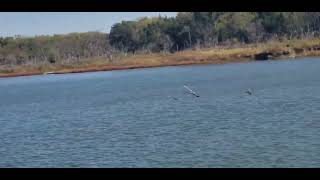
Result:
x=144 y=118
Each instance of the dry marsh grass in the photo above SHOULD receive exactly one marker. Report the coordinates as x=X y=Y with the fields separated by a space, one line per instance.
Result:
x=217 y=55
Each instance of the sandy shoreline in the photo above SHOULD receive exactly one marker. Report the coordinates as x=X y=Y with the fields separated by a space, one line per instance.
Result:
x=113 y=68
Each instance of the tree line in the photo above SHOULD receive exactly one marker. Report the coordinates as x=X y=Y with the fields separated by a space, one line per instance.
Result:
x=208 y=29
x=161 y=34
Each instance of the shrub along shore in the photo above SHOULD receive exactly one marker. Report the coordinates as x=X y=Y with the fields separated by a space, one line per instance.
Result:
x=241 y=53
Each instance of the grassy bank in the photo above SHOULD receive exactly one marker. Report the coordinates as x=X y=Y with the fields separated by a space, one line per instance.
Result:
x=217 y=55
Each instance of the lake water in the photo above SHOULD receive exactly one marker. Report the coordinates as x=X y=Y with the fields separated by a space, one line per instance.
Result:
x=145 y=118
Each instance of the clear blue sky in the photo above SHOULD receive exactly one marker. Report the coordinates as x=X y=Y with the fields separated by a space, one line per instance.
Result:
x=48 y=23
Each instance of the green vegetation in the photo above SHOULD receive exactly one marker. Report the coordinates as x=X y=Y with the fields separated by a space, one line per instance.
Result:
x=210 y=29
x=217 y=37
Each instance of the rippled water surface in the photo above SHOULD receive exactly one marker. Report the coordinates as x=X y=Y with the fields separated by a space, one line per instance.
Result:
x=144 y=118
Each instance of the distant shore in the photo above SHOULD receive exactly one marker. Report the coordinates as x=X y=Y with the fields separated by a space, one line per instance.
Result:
x=217 y=55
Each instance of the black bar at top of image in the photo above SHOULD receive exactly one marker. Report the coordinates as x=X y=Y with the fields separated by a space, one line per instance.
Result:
x=156 y=5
